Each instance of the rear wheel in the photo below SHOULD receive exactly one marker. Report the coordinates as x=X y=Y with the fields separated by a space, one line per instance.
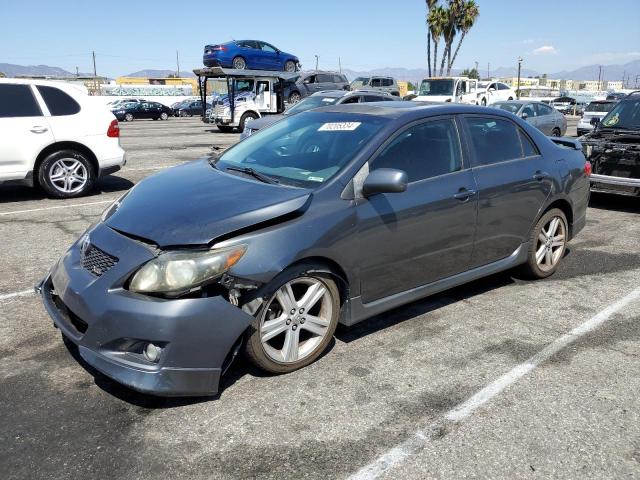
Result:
x=296 y=323
x=555 y=132
x=289 y=66
x=66 y=174
x=294 y=97
x=239 y=63
x=547 y=244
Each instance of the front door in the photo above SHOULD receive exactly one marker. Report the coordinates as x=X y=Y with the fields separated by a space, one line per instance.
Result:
x=24 y=131
x=263 y=95
x=425 y=233
x=513 y=181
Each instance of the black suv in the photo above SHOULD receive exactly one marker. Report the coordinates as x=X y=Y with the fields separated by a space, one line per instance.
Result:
x=613 y=149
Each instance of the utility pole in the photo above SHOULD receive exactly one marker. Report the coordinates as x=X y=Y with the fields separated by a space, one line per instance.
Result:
x=599 y=76
x=177 y=63
x=519 y=67
x=77 y=72
x=488 y=71
x=477 y=71
x=339 y=64
x=317 y=57
x=94 y=64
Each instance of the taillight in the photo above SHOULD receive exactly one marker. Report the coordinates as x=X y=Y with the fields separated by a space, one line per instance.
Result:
x=114 y=129
x=587 y=168
x=219 y=48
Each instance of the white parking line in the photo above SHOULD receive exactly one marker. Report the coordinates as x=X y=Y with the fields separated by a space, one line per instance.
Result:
x=23 y=293
x=57 y=207
x=419 y=439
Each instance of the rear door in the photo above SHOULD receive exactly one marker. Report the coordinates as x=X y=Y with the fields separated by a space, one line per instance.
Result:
x=24 y=131
x=325 y=82
x=513 y=180
x=547 y=118
x=426 y=233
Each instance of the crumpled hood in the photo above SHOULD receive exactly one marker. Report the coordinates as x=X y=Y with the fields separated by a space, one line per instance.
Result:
x=194 y=204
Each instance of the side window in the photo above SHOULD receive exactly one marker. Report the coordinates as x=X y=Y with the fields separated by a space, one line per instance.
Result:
x=423 y=151
x=529 y=148
x=502 y=86
x=373 y=98
x=17 y=101
x=58 y=102
x=267 y=48
x=494 y=140
x=543 y=109
x=353 y=99
x=376 y=82
x=310 y=79
x=337 y=79
x=343 y=79
x=528 y=109
x=324 y=78
x=387 y=82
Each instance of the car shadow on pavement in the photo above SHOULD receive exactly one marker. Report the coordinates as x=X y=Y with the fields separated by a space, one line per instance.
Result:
x=620 y=203
x=108 y=184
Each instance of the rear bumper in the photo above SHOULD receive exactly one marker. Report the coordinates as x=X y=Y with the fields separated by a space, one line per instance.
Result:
x=110 y=325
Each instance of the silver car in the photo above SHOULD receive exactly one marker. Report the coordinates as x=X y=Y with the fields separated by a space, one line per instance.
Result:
x=545 y=118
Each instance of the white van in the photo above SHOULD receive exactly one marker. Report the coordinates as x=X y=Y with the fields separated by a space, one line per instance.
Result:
x=54 y=135
x=448 y=89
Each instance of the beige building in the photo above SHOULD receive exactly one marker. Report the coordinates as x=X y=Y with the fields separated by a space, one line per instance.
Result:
x=615 y=85
x=524 y=81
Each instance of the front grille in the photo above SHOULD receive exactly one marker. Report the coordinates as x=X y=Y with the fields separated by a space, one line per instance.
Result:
x=95 y=261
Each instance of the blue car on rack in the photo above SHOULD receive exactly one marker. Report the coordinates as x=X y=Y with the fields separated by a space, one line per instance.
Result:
x=249 y=54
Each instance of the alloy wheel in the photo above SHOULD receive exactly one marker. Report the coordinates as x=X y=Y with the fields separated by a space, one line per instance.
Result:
x=68 y=175
x=551 y=243
x=296 y=320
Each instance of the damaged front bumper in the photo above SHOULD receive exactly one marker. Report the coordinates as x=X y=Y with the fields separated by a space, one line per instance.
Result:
x=616 y=165
x=111 y=326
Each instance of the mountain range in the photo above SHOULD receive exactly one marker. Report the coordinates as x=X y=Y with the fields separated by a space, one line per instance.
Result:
x=610 y=72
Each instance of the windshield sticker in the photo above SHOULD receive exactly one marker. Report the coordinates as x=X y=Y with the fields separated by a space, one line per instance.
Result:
x=339 y=127
x=610 y=122
x=316 y=179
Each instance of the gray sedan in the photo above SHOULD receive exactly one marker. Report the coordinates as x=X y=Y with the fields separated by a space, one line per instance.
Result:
x=545 y=118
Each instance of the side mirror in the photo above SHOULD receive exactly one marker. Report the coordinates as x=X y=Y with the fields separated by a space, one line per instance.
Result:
x=491 y=89
x=385 y=180
x=524 y=115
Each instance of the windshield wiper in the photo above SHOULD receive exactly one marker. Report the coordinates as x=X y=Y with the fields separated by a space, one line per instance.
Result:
x=254 y=173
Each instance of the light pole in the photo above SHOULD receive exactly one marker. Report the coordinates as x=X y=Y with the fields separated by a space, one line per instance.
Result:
x=317 y=57
x=519 y=68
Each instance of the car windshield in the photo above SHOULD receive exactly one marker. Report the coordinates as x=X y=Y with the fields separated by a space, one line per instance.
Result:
x=436 y=87
x=509 y=107
x=304 y=150
x=308 y=103
x=360 y=82
x=599 y=107
x=625 y=114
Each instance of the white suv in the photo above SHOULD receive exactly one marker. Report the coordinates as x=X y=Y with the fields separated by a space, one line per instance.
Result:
x=54 y=135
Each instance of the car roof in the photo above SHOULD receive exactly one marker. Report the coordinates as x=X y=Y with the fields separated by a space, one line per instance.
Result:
x=61 y=84
x=518 y=102
x=411 y=109
x=344 y=93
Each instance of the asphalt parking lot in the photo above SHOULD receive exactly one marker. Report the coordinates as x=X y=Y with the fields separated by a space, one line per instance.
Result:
x=462 y=384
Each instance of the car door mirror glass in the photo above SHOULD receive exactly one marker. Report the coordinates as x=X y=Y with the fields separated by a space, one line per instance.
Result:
x=385 y=180
x=524 y=115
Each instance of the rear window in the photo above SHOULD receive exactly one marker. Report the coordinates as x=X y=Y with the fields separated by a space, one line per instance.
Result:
x=599 y=107
x=17 y=101
x=58 y=102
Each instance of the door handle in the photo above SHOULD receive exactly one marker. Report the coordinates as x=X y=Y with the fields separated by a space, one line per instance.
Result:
x=540 y=175
x=464 y=194
x=39 y=129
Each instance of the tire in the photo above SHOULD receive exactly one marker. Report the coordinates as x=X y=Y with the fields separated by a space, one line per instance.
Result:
x=290 y=66
x=552 y=251
x=128 y=117
x=164 y=116
x=225 y=128
x=510 y=98
x=155 y=118
x=295 y=97
x=272 y=354
x=56 y=178
x=556 y=132
x=484 y=102
x=239 y=63
x=244 y=118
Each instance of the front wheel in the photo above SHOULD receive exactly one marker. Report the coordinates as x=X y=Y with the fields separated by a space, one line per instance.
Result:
x=244 y=119
x=296 y=323
x=294 y=97
x=289 y=66
x=128 y=117
x=547 y=244
x=556 y=132
x=66 y=174
x=164 y=116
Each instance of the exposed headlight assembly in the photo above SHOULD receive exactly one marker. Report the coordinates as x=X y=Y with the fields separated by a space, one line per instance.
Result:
x=180 y=271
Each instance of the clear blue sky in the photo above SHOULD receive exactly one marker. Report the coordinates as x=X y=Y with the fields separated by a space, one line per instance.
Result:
x=550 y=35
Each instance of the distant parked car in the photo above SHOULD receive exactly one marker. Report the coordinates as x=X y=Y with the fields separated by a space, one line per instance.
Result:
x=116 y=104
x=384 y=84
x=315 y=81
x=491 y=92
x=54 y=136
x=249 y=54
x=317 y=100
x=546 y=119
x=132 y=111
x=593 y=113
x=189 y=108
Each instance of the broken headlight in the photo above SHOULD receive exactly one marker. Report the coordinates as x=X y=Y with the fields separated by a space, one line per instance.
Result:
x=176 y=272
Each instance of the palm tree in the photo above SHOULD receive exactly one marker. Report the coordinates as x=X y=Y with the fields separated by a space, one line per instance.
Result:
x=449 y=30
x=437 y=20
x=467 y=18
x=430 y=5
